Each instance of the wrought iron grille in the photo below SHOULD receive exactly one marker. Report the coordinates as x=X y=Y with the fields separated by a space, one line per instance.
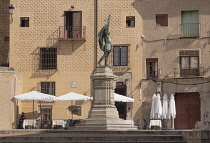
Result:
x=190 y=30
x=48 y=58
x=48 y=88
x=72 y=32
x=188 y=72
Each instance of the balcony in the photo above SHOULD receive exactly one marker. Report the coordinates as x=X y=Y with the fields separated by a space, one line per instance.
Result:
x=153 y=74
x=190 y=30
x=188 y=72
x=72 y=33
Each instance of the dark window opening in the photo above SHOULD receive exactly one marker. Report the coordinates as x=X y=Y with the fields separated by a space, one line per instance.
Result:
x=152 y=68
x=48 y=88
x=130 y=21
x=162 y=19
x=24 y=22
x=48 y=58
x=120 y=55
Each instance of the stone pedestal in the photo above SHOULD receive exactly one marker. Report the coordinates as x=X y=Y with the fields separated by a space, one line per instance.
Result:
x=103 y=114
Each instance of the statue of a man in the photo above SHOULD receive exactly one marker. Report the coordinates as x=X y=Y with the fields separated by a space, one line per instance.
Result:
x=105 y=42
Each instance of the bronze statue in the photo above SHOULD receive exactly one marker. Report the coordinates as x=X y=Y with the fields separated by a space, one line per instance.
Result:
x=105 y=42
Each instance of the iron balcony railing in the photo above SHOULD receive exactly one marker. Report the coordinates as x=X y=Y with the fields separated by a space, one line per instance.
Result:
x=153 y=74
x=188 y=72
x=72 y=33
x=190 y=30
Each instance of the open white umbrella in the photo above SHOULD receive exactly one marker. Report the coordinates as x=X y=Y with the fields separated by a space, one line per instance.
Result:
x=152 y=112
x=165 y=107
x=172 y=107
x=158 y=109
x=73 y=96
x=122 y=98
x=35 y=96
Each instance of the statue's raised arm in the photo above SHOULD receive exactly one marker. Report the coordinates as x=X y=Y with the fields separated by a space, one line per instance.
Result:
x=105 y=42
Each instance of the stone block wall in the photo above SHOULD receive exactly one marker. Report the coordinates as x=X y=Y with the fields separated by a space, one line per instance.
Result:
x=4 y=31
x=9 y=87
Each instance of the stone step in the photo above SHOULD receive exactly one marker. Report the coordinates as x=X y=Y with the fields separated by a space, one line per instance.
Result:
x=94 y=142
x=110 y=132
x=95 y=138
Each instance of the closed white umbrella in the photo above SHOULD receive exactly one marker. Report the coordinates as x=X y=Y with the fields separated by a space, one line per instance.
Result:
x=152 y=112
x=159 y=109
x=73 y=96
x=172 y=107
x=122 y=98
x=165 y=107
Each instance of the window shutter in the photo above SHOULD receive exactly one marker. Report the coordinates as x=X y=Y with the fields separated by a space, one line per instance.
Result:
x=162 y=19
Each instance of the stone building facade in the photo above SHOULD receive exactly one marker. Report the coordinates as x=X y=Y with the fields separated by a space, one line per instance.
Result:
x=53 y=47
x=159 y=46
x=175 y=57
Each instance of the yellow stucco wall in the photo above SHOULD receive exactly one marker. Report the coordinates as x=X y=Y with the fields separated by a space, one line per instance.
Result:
x=9 y=87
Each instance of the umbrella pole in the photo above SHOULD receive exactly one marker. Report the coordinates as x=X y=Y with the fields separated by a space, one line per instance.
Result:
x=40 y=112
x=172 y=122
x=33 y=113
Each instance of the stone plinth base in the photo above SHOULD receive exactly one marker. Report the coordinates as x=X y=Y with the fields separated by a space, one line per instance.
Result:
x=103 y=114
x=105 y=118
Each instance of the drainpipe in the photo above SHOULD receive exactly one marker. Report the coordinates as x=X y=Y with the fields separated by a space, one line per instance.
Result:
x=95 y=32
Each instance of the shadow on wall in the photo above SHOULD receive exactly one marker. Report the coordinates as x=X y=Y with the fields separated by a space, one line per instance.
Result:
x=149 y=88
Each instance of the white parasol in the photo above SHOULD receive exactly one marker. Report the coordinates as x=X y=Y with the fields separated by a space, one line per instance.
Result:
x=152 y=112
x=158 y=109
x=35 y=96
x=73 y=96
x=172 y=107
x=122 y=98
x=165 y=107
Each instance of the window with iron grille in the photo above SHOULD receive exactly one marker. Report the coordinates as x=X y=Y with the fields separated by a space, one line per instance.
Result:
x=162 y=19
x=48 y=58
x=24 y=21
x=120 y=55
x=48 y=88
x=130 y=21
x=152 y=68
x=189 y=63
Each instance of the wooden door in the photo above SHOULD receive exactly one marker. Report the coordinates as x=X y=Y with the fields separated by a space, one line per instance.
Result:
x=73 y=24
x=187 y=110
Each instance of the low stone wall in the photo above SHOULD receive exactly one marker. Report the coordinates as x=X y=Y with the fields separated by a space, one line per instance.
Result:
x=196 y=136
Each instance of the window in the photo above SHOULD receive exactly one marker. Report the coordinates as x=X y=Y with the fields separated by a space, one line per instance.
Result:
x=152 y=68
x=190 y=24
x=48 y=88
x=120 y=55
x=48 y=58
x=162 y=19
x=130 y=21
x=189 y=63
x=24 y=22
